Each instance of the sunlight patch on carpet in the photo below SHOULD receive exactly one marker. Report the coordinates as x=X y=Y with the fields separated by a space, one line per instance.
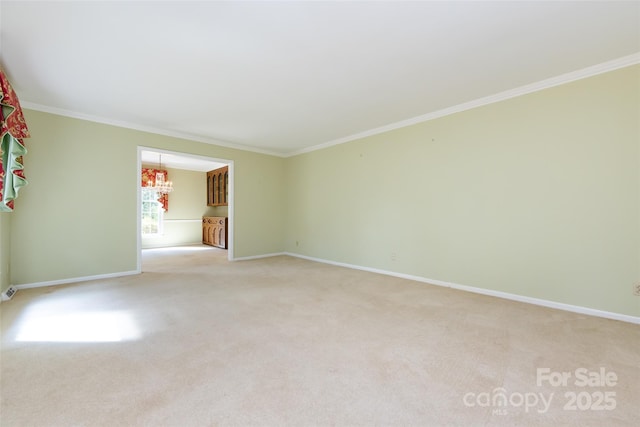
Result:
x=90 y=326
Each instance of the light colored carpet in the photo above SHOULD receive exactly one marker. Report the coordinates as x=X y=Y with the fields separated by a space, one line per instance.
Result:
x=198 y=341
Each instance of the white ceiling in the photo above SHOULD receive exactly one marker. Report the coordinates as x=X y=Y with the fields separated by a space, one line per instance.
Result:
x=281 y=77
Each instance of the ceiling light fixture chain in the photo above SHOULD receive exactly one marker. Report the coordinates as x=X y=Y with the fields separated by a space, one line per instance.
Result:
x=161 y=186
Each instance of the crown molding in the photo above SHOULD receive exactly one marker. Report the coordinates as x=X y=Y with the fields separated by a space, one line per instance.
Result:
x=143 y=128
x=593 y=70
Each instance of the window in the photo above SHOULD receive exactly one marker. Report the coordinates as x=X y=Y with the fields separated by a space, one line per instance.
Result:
x=151 y=213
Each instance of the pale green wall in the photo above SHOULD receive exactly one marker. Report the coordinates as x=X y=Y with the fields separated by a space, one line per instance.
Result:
x=187 y=204
x=64 y=227
x=5 y=245
x=536 y=196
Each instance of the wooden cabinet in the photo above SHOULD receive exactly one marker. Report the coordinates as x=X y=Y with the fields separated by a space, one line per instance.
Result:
x=218 y=187
x=214 y=231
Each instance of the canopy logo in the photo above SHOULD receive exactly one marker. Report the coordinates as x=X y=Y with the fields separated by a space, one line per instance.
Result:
x=592 y=395
x=500 y=400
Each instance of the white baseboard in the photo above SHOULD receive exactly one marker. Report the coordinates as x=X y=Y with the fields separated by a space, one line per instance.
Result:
x=171 y=245
x=74 y=280
x=499 y=294
x=246 y=258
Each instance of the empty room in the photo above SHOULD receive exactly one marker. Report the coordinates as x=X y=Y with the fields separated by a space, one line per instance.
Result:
x=322 y=213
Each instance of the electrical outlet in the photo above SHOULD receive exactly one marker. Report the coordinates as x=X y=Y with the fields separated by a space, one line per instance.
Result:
x=6 y=295
x=394 y=256
x=636 y=289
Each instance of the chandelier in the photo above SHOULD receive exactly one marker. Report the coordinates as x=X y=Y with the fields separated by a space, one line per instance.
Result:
x=161 y=186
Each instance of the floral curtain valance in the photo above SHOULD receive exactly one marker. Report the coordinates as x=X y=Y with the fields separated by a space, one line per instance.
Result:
x=149 y=176
x=13 y=130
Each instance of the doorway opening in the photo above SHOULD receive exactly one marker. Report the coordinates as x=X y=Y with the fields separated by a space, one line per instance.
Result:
x=163 y=229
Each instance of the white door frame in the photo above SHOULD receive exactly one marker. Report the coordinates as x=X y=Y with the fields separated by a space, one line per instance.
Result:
x=230 y=233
